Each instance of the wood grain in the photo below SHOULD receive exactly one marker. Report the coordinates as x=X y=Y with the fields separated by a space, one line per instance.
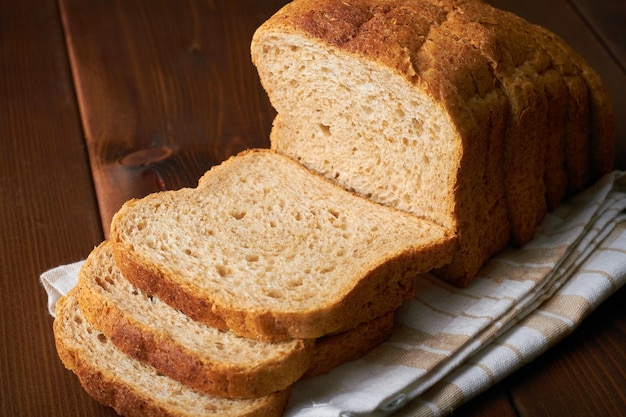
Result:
x=48 y=210
x=166 y=90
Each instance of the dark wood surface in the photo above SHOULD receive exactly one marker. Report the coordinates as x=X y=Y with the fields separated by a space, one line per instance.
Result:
x=104 y=100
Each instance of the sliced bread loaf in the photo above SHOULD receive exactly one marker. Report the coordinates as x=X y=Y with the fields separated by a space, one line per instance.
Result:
x=133 y=388
x=518 y=66
x=201 y=357
x=270 y=250
x=439 y=108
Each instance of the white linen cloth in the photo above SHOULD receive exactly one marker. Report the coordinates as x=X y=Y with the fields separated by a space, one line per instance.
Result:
x=451 y=344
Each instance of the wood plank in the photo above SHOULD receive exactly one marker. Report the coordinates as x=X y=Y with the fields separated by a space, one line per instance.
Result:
x=166 y=90
x=493 y=402
x=585 y=375
x=608 y=19
x=561 y=18
x=48 y=212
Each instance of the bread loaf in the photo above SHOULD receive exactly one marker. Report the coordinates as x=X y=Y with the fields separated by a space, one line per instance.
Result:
x=453 y=111
x=410 y=135
x=270 y=250
x=134 y=388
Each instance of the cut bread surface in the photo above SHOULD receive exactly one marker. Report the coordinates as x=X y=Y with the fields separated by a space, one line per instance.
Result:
x=359 y=125
x=412 y=136
x=133 y=388
x=444 y=109
x=207 y=359
x=270 y=250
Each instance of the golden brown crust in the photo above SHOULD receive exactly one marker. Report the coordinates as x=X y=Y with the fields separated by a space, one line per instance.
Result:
x=374 y=289
x=382 y=30
x=126 y=401
x=121 y=398
x=519 y=65
x=461 y=52
x=578 y=111
x=152 y=281
x=372 y=297
x=331 y=351
x=193 y=369
x=133 y=389
x=427 y=44
x=602 y=126
x=602 y=122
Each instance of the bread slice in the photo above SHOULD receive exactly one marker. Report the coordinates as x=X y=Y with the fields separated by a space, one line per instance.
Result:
x=270 y=250
x=204 y=358
x=201 y=357
x=133 y=388
x=519 y=65
x=438 y=108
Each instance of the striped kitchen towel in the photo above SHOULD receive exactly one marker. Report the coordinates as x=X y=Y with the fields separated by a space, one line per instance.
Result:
x=451 y=344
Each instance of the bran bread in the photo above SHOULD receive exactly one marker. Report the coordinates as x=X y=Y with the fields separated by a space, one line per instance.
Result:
x=270 y=250
x=601 y=118
x=134 y=388
x=439 y=108
x=200 y=357
x=518 y=65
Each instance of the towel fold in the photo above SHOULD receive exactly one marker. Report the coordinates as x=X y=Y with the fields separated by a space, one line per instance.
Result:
x=451 y=344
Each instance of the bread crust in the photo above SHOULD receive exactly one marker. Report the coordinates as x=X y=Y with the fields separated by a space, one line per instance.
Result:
x=154 y=345
x=372 y=288
x=372 y=297
x=109 y=389
x=332 y=351
x=414 y=43
x=515 y=93
x=601 y=118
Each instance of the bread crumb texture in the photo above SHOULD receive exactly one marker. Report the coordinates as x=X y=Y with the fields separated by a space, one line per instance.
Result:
x=454 y=111
x=262 y=237
x=134 y=388
x=213 y=361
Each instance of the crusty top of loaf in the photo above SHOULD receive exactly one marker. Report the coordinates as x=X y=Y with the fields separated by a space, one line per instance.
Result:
x=391 y=32
x=387 y=31
x=439 y=43
x=274 y=250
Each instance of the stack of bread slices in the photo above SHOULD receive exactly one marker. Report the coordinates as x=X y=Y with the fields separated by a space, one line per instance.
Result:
x=411 y=135
x=214 y=300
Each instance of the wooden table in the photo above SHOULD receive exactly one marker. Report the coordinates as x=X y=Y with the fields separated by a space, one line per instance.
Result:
x=103 y=100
